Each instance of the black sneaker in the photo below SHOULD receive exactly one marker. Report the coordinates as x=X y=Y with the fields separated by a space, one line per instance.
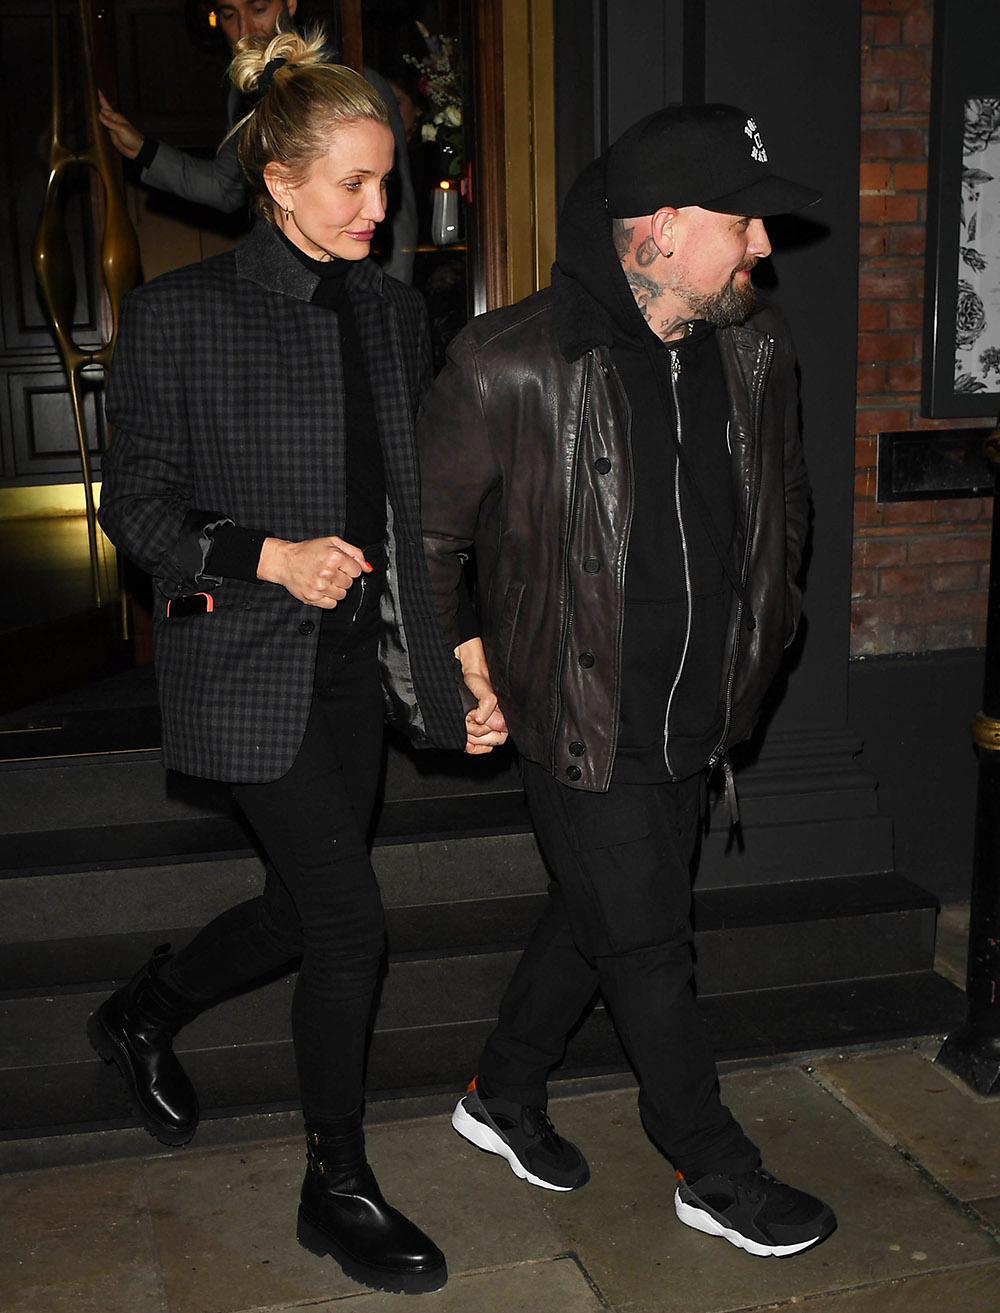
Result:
x=754 y=1212
x=524 y=1136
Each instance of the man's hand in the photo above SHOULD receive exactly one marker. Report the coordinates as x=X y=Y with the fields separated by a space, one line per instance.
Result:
x=126 y=139
x=318 y=571
x=485 y=725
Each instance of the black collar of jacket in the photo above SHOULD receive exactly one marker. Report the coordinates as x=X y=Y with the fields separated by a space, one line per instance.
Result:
x=263 y=259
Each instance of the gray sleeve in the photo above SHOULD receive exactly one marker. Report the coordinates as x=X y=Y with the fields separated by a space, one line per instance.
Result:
x=403 y=219
x=218 y=182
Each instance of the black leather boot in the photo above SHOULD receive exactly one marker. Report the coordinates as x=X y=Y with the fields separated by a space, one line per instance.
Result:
x=343 y=1214
x=134 y=1029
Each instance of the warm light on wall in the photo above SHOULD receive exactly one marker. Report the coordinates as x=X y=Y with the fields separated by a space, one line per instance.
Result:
x=50 y=499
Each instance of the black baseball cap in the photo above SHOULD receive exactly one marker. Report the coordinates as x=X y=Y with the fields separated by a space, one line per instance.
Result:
x=712 y=156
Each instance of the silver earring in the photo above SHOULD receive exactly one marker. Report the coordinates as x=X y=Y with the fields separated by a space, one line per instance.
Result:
x=669 y=254
x=288 y=215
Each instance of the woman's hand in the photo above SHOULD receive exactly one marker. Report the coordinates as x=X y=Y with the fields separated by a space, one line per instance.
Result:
x=485 y=725
x=318 y=571
x=125 y=138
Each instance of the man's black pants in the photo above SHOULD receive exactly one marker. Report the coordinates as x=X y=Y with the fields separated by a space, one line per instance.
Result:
x=619 y=920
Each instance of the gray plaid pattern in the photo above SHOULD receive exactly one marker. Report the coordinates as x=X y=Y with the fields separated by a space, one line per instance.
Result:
x=226 y=394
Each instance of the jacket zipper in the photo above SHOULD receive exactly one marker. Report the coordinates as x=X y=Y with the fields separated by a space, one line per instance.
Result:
x=757 y=394
x=675 y=370
x=567 y=542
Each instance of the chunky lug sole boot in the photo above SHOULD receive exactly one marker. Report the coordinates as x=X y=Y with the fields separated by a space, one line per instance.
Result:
x=134 y=1029
x=343 y=1214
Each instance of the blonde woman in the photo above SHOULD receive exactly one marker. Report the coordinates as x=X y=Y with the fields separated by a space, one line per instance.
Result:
x=263 y=472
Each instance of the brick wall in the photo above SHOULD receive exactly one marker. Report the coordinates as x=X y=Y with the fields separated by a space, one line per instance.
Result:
x=920 y=568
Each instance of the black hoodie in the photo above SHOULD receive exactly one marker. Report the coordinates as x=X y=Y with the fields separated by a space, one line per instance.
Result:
x=677 y=594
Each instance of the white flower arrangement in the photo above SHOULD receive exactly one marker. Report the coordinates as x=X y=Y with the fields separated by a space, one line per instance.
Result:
x=441 y=83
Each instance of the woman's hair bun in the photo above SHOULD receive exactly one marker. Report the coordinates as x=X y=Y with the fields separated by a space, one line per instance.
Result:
x=255 y=61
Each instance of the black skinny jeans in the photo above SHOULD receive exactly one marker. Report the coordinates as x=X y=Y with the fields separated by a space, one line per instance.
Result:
x=619 y=920
x=321 y=900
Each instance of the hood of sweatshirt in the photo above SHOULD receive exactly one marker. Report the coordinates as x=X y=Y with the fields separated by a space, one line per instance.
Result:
x=594 y=303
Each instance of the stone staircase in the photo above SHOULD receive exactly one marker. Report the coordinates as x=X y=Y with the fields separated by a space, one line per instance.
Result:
x=806 y=940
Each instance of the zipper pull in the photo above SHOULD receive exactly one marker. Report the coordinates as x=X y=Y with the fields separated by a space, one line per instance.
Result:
x=361 y=598
x=732 y=802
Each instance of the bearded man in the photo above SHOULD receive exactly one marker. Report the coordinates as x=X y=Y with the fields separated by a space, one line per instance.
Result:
x=621 y=451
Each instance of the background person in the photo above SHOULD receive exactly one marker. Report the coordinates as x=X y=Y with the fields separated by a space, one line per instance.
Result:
x=274 y=502
x=219 y=182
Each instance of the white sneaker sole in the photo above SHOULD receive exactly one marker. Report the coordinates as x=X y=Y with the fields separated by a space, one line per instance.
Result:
x=703 y=1221
x=483 y=1137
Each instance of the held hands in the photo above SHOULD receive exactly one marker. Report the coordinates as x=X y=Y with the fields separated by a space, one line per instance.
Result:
x=126 y=139
x=485 y=725
x=318 y=571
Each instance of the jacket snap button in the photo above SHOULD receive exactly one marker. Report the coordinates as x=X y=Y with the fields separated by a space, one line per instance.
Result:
x=602 y=465
x=577 y=748
x=573 y=772
x=592 y=565
x=306 y=627
x=586 y=659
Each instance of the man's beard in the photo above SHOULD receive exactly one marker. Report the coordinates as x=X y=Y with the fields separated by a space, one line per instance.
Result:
x=732 y=305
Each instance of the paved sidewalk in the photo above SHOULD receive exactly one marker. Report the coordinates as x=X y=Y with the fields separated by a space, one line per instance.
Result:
x=908 y=1157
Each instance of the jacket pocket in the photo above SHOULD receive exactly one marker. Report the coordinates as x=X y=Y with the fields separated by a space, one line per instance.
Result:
x=604 y=820
x=507 y=632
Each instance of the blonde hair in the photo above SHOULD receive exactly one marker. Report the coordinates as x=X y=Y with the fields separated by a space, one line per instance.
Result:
x=304 y=101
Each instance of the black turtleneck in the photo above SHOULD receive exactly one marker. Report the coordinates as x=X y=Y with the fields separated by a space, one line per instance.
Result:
x=235 y=550
x=365 y=516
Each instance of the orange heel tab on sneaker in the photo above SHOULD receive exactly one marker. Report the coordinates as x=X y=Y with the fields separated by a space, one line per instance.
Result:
x=679 y=1175
x=472 y=1084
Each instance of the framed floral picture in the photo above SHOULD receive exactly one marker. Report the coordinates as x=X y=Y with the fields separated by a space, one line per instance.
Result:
x=962 y=305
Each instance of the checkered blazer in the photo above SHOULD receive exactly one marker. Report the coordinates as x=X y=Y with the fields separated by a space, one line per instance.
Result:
x=227 y=397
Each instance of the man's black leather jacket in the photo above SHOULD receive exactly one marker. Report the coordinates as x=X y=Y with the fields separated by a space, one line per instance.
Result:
x=525 y=456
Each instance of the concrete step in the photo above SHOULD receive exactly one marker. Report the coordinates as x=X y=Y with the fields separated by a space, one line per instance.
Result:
x=59 y=931
x=804 y=804
x=450 y=962
x=74 y=1092
x=124 y=808
x=805 y=937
